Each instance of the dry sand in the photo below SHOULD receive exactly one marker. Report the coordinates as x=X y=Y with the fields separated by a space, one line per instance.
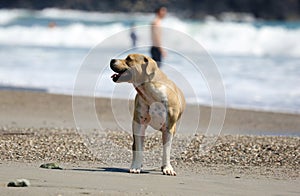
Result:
x=37 y=128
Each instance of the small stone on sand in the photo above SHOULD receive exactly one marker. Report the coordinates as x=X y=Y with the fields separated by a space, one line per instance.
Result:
x=50 y=166
x=19 y=183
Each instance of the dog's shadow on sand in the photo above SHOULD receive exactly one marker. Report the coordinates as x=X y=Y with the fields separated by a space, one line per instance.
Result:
x=113 y=170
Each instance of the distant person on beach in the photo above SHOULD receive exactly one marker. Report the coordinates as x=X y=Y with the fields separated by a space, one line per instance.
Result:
x=133 y=35
x=157 y=52
x=51 y=24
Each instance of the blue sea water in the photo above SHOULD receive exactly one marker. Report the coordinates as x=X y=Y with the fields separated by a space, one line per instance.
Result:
x=259 y=62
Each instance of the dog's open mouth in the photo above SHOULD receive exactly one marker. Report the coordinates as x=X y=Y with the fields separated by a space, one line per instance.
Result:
x=122 y=76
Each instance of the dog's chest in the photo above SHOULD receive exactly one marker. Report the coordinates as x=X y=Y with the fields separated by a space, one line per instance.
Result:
x=156 y=99
x=158 y=115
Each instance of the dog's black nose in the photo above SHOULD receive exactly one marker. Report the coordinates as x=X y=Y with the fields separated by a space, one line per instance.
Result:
x=112 y=62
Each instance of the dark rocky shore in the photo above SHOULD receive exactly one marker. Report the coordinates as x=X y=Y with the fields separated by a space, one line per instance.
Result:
x=264 y=9
x=114 y=148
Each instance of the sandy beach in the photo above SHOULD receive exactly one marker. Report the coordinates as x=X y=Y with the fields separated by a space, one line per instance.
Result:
x=257 y=152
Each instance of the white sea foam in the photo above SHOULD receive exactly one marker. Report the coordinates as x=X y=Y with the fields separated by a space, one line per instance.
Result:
x=89 y=16
x=226 y=38
x=7 y=16
x=75 y=35
x=246 y=39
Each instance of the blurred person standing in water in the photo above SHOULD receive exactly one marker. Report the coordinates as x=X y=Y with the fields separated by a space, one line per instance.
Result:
x=133 y=35
x=157 y=52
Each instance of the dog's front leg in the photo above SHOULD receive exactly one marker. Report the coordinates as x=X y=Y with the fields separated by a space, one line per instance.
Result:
x=167 y=169
x=137 y=147
x=139 y=124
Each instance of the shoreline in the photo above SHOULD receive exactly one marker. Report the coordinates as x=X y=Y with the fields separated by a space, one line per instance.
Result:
x=243 y=108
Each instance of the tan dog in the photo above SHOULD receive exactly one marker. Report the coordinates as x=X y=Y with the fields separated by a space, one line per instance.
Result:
x=158 y=103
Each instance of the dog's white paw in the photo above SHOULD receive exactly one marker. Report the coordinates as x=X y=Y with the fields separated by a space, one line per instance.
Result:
x=135 y=170
x=136 y=167
x=168 y=170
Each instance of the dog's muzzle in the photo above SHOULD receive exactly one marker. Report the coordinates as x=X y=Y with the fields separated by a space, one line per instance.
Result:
x=121 y=75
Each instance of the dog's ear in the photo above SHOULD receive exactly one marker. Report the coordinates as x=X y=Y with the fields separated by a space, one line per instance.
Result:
x=150 y=66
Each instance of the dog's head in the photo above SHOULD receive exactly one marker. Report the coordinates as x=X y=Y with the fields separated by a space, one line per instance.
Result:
x=135 y=68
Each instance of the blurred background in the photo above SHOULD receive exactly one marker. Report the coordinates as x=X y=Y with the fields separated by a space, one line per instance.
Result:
x=254 y=43
x=196 y=9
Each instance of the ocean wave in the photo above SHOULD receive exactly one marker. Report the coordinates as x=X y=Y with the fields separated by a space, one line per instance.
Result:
x=55 y=13
x=246 y=39
x=6 y=16
x=74 y=36
x=225 y=38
